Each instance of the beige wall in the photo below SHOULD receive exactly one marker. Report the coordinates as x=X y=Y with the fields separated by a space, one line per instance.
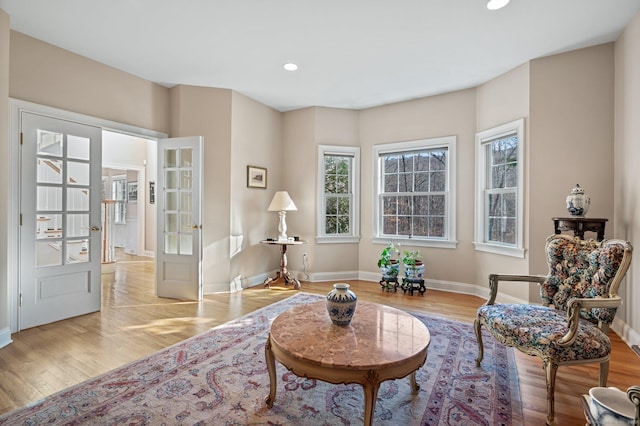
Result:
x=256 y=139
x=5 y=169
x=627 y=170
x=452 y=114
x=200 y=111
x=47 y=75
x=304 y=130
x=503 y=100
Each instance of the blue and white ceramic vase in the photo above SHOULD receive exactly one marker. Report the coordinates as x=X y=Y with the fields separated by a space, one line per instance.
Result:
x=577 y=202
x=341 y=304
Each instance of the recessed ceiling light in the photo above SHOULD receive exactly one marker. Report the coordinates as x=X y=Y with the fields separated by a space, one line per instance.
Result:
x=496 y=4
x=290 y=66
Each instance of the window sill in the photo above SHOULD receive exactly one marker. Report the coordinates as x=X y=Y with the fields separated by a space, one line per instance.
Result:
x=417 y=243
x=337 y=240
x=501 y=250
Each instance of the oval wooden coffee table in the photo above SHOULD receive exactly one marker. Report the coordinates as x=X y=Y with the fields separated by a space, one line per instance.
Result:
x=382 y=343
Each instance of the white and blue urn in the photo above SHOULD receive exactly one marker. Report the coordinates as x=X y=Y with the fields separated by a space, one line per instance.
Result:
x=577 y=202
x=341 y=304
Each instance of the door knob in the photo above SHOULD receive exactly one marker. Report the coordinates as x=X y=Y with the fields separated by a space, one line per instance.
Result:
x=95 y=228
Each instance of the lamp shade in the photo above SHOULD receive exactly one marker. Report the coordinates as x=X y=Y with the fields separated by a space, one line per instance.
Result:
x=281 y=202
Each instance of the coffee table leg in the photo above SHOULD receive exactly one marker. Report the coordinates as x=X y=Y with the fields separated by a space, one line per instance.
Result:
x=271 y=366
x=415 y=387
x=370 y=387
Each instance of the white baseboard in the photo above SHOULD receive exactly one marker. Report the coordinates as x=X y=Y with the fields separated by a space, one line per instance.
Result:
x=626 y=333
x=149 y=253
x=5 y=337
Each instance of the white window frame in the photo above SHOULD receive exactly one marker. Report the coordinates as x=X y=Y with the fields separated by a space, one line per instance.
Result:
x=449 y=241
x=354 y=219
x=120 y=215
x=481 y=217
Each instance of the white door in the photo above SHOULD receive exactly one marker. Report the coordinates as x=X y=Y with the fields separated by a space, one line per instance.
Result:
x=60 y=235
x=179 y=246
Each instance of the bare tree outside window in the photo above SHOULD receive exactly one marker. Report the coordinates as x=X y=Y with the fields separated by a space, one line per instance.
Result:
x=501 y=194
x=414 y=193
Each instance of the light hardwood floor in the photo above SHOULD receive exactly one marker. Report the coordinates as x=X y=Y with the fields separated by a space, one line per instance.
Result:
x=133 y=323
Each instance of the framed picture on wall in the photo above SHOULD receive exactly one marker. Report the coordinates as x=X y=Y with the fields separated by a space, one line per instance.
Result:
x=256 y=177
x=132 y=192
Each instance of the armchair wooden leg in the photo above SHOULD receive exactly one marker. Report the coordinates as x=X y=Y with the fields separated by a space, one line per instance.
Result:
x=550 y=369
x=604 y=373
x=477 y=327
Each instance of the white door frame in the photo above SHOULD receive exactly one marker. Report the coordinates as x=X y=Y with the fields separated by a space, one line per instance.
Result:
x=16 y=107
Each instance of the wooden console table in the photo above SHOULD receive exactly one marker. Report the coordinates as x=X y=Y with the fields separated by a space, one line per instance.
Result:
x=580 y=225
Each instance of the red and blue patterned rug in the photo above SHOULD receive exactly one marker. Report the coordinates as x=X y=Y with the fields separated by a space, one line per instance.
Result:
x=220 y=378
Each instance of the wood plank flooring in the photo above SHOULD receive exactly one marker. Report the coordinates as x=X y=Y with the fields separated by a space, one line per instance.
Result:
x=133 y=323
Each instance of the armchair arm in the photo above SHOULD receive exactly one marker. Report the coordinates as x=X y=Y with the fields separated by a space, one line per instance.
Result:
x=573 y=313
x=634 y=395
x=495 y=278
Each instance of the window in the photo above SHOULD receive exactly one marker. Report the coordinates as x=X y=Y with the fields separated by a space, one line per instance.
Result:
x=338 y=194
x=414 y=192
x=499 y=195
x=119 y=193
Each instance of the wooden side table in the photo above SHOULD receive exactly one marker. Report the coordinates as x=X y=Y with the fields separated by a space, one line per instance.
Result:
x=283 y=273
x=580 y=225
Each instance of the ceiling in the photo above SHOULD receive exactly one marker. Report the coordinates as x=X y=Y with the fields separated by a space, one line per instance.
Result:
x=351 y=53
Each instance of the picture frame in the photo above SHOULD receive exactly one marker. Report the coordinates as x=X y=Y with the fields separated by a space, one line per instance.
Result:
x=132 y=192
x=256 y=177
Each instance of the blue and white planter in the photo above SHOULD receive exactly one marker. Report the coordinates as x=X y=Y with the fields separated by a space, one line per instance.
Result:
x=414 y=272
x=341 y=304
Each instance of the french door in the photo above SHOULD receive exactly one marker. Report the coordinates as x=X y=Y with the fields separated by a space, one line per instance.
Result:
x=179 y=243
x=60 y=235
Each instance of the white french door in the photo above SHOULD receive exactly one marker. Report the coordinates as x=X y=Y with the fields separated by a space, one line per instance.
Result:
x=60 y=235
x=179 y=242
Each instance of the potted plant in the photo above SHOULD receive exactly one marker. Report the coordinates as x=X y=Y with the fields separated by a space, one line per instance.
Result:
x=413 y=265
x=388 y=263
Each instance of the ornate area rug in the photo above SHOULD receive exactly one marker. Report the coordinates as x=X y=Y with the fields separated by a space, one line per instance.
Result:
x=220 y=378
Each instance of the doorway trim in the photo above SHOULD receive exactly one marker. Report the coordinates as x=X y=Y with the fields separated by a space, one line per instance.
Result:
x=16 y=107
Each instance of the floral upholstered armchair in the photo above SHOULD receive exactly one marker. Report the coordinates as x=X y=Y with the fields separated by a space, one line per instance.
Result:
x=580 y=298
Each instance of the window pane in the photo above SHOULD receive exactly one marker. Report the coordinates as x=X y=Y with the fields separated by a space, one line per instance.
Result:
x=436 y=227
x=78 y=147
x=330 y=184
x=405 y=182
x=331 y=205
x=421 y=205
x=77 y=251
x=343 y=206
x=186 y=157
x=77 y=199
x=438 y=181
x=422 y=182
x=171 y=222
x=77 y=173
x=171 y=244
x=391 y=183
x=48 y=226
x=511 y=175
x=49 y=171
x=404 y=225
x=186 y=245
x=49 y=143
x=77 y=225
x=171 y=200
x=48 y=253
x=331 y=225
x=437 y=205
x=390 y=164
x=343 y=225
x=390 y=205
x=438 y=160
x=170 y=158
x=404 y=205
x=49 y=198
x=342 y=184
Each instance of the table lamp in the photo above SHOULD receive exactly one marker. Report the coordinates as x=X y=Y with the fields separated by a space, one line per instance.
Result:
x=282 y=203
